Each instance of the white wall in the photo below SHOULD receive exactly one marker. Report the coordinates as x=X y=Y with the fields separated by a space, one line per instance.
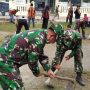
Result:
x=84 y=9
x=20 y=2
x=20 y=5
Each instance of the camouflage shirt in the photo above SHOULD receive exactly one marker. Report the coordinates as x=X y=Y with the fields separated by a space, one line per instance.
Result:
x=24 y=48
x=69 y=40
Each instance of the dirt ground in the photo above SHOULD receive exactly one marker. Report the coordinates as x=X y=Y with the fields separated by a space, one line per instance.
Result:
x=67 y=69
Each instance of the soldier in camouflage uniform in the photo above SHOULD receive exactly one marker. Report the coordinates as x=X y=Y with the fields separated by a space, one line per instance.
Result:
x=69 y=40
x=24 y=48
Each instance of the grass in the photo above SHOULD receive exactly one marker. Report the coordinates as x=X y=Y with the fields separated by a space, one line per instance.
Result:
x=9 y=27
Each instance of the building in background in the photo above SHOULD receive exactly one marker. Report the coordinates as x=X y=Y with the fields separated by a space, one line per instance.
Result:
x=40 y=4
x=23 y=5
x=65 y=4
x=5 y=0
x=76 y=2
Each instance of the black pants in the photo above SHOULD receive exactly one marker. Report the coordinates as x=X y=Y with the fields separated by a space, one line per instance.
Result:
x=22 y=22
x=69 y=20
x=82 y=25
x=45 y=23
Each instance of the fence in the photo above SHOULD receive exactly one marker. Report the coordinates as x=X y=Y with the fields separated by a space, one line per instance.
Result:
x=22 y=9
x=84 y=10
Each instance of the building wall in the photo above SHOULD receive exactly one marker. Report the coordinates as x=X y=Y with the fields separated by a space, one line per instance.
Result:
x=22 y=6
x=84 y=9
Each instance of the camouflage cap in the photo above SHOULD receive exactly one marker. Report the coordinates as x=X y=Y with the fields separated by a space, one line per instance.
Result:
x=58 y=29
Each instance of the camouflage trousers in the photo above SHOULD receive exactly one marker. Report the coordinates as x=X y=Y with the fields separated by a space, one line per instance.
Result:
x=77 y=60
x=10 y=77
x=34 y=66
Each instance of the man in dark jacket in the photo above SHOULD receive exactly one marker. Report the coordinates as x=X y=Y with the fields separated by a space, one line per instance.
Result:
x=77 y=15
x=45 y=17
x=70 y=15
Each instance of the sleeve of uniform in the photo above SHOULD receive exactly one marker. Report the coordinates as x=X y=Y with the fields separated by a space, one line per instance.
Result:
x=58 y=54
x=72 y=53
x=37 y=49
x=74 y=50
x=43 y=59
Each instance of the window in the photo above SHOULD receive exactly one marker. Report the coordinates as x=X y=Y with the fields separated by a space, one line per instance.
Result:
x=75 y=2
x=7 y=0
x=26 y=1
x=87 y=1
x=63 y=0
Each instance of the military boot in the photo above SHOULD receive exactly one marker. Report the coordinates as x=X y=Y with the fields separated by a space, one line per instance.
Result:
x=79 y=79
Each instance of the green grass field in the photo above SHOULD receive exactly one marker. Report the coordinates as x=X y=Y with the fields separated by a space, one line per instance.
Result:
x=9 y=27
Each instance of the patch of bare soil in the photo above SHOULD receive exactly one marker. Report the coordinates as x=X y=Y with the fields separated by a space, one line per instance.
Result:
x=4 y=36
x=38 y=83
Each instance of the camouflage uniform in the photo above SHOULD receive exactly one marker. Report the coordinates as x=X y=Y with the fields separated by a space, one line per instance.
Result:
x=23 y=48
x=68 y=40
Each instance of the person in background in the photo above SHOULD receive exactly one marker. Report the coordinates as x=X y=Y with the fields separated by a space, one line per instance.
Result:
x=24 y=48
x=86 y=19
x=70 y=15
x=77 y=16
x=12 y=14
x=33 y=2
x=21 y=20
x=69 y=27
x=81 y=24
x=31 y=15
x=45 y=17
x=56 y=12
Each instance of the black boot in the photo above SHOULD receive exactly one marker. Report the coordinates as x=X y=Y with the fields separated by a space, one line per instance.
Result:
x=79 y=79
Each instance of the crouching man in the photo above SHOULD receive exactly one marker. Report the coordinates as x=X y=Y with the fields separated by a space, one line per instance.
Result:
x=24 y=48
x=69 y=40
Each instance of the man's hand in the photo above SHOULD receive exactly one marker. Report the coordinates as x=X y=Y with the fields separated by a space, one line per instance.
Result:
x=51 y=74
x=57 y=66
x=67 y=57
